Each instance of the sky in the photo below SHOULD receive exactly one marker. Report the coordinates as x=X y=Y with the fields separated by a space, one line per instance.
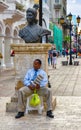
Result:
x=74 y=6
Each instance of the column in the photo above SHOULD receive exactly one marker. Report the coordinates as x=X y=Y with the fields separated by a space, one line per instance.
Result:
x=3 y=53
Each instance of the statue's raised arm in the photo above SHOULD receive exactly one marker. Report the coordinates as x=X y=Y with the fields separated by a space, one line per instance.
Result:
x=32 y=32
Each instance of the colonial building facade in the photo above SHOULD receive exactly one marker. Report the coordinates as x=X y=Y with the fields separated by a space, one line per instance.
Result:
x=12 y=18
x=57 y=8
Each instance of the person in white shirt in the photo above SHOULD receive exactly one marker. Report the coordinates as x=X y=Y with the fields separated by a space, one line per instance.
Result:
x=54 y=58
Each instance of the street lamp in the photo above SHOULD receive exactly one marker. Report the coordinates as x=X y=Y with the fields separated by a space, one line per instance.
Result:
x=62 y=22
x=78 y=21
x=70 y=18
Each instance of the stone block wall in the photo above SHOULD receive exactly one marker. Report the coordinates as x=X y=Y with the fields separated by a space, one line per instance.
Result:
x=25 y=54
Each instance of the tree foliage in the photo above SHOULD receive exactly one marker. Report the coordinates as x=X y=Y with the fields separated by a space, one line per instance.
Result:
x=67 y=39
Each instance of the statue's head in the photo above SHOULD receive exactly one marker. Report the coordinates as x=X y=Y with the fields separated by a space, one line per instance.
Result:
x=31 y=15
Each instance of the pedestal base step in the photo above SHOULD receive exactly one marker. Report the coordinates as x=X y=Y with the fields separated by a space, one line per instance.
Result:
x=11 y=107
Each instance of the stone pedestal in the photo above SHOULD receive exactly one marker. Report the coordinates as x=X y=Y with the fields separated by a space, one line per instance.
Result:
x=25 y=54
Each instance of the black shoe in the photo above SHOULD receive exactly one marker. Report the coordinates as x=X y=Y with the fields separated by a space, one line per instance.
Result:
x=50 y=114
x=19 y=115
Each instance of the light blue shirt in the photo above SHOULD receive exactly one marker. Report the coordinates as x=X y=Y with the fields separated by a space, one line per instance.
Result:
x=29 y=77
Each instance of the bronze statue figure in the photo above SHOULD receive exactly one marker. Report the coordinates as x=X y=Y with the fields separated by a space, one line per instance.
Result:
x=32 y=32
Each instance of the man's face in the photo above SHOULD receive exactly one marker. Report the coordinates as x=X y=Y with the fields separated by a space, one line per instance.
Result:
x=36 y=65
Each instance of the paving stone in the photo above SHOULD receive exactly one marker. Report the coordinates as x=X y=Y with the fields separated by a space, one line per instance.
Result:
x=66 y=87
x=67 y=117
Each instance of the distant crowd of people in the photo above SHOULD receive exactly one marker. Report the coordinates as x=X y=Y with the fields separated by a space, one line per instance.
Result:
x=53 y=54
x=66 y=52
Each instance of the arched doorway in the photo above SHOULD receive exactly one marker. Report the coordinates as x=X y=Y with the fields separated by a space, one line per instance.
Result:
x=15 y=35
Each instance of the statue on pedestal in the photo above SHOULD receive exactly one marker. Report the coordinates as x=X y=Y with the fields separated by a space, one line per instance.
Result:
x=32 y=33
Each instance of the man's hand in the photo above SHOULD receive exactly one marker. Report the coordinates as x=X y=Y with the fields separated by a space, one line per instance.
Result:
x=34 y=87
x=31 y=87
x=37 y=86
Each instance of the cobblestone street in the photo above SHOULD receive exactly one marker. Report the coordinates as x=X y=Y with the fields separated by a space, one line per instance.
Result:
x=66 y=87
x=7 y=83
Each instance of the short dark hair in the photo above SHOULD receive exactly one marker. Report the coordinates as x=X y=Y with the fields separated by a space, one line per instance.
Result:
x=40 y=62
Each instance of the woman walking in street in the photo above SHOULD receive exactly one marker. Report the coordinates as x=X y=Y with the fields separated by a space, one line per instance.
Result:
x=54 y=58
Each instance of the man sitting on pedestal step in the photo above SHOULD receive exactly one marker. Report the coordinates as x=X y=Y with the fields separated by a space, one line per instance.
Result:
x=33 y=32
x=35 y=78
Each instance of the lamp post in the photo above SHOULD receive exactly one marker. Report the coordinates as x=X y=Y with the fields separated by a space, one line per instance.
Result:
x=62 y=22
x=70 y=18
x=40 y=16
x=78 y=21
x=76 y=41
x=40 y=12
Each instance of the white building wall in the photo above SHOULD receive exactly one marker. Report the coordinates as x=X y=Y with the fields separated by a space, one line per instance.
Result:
x=59 y=11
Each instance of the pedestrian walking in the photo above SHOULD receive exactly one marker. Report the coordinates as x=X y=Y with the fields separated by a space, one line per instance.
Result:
x=54 y=58
x=50 y=57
